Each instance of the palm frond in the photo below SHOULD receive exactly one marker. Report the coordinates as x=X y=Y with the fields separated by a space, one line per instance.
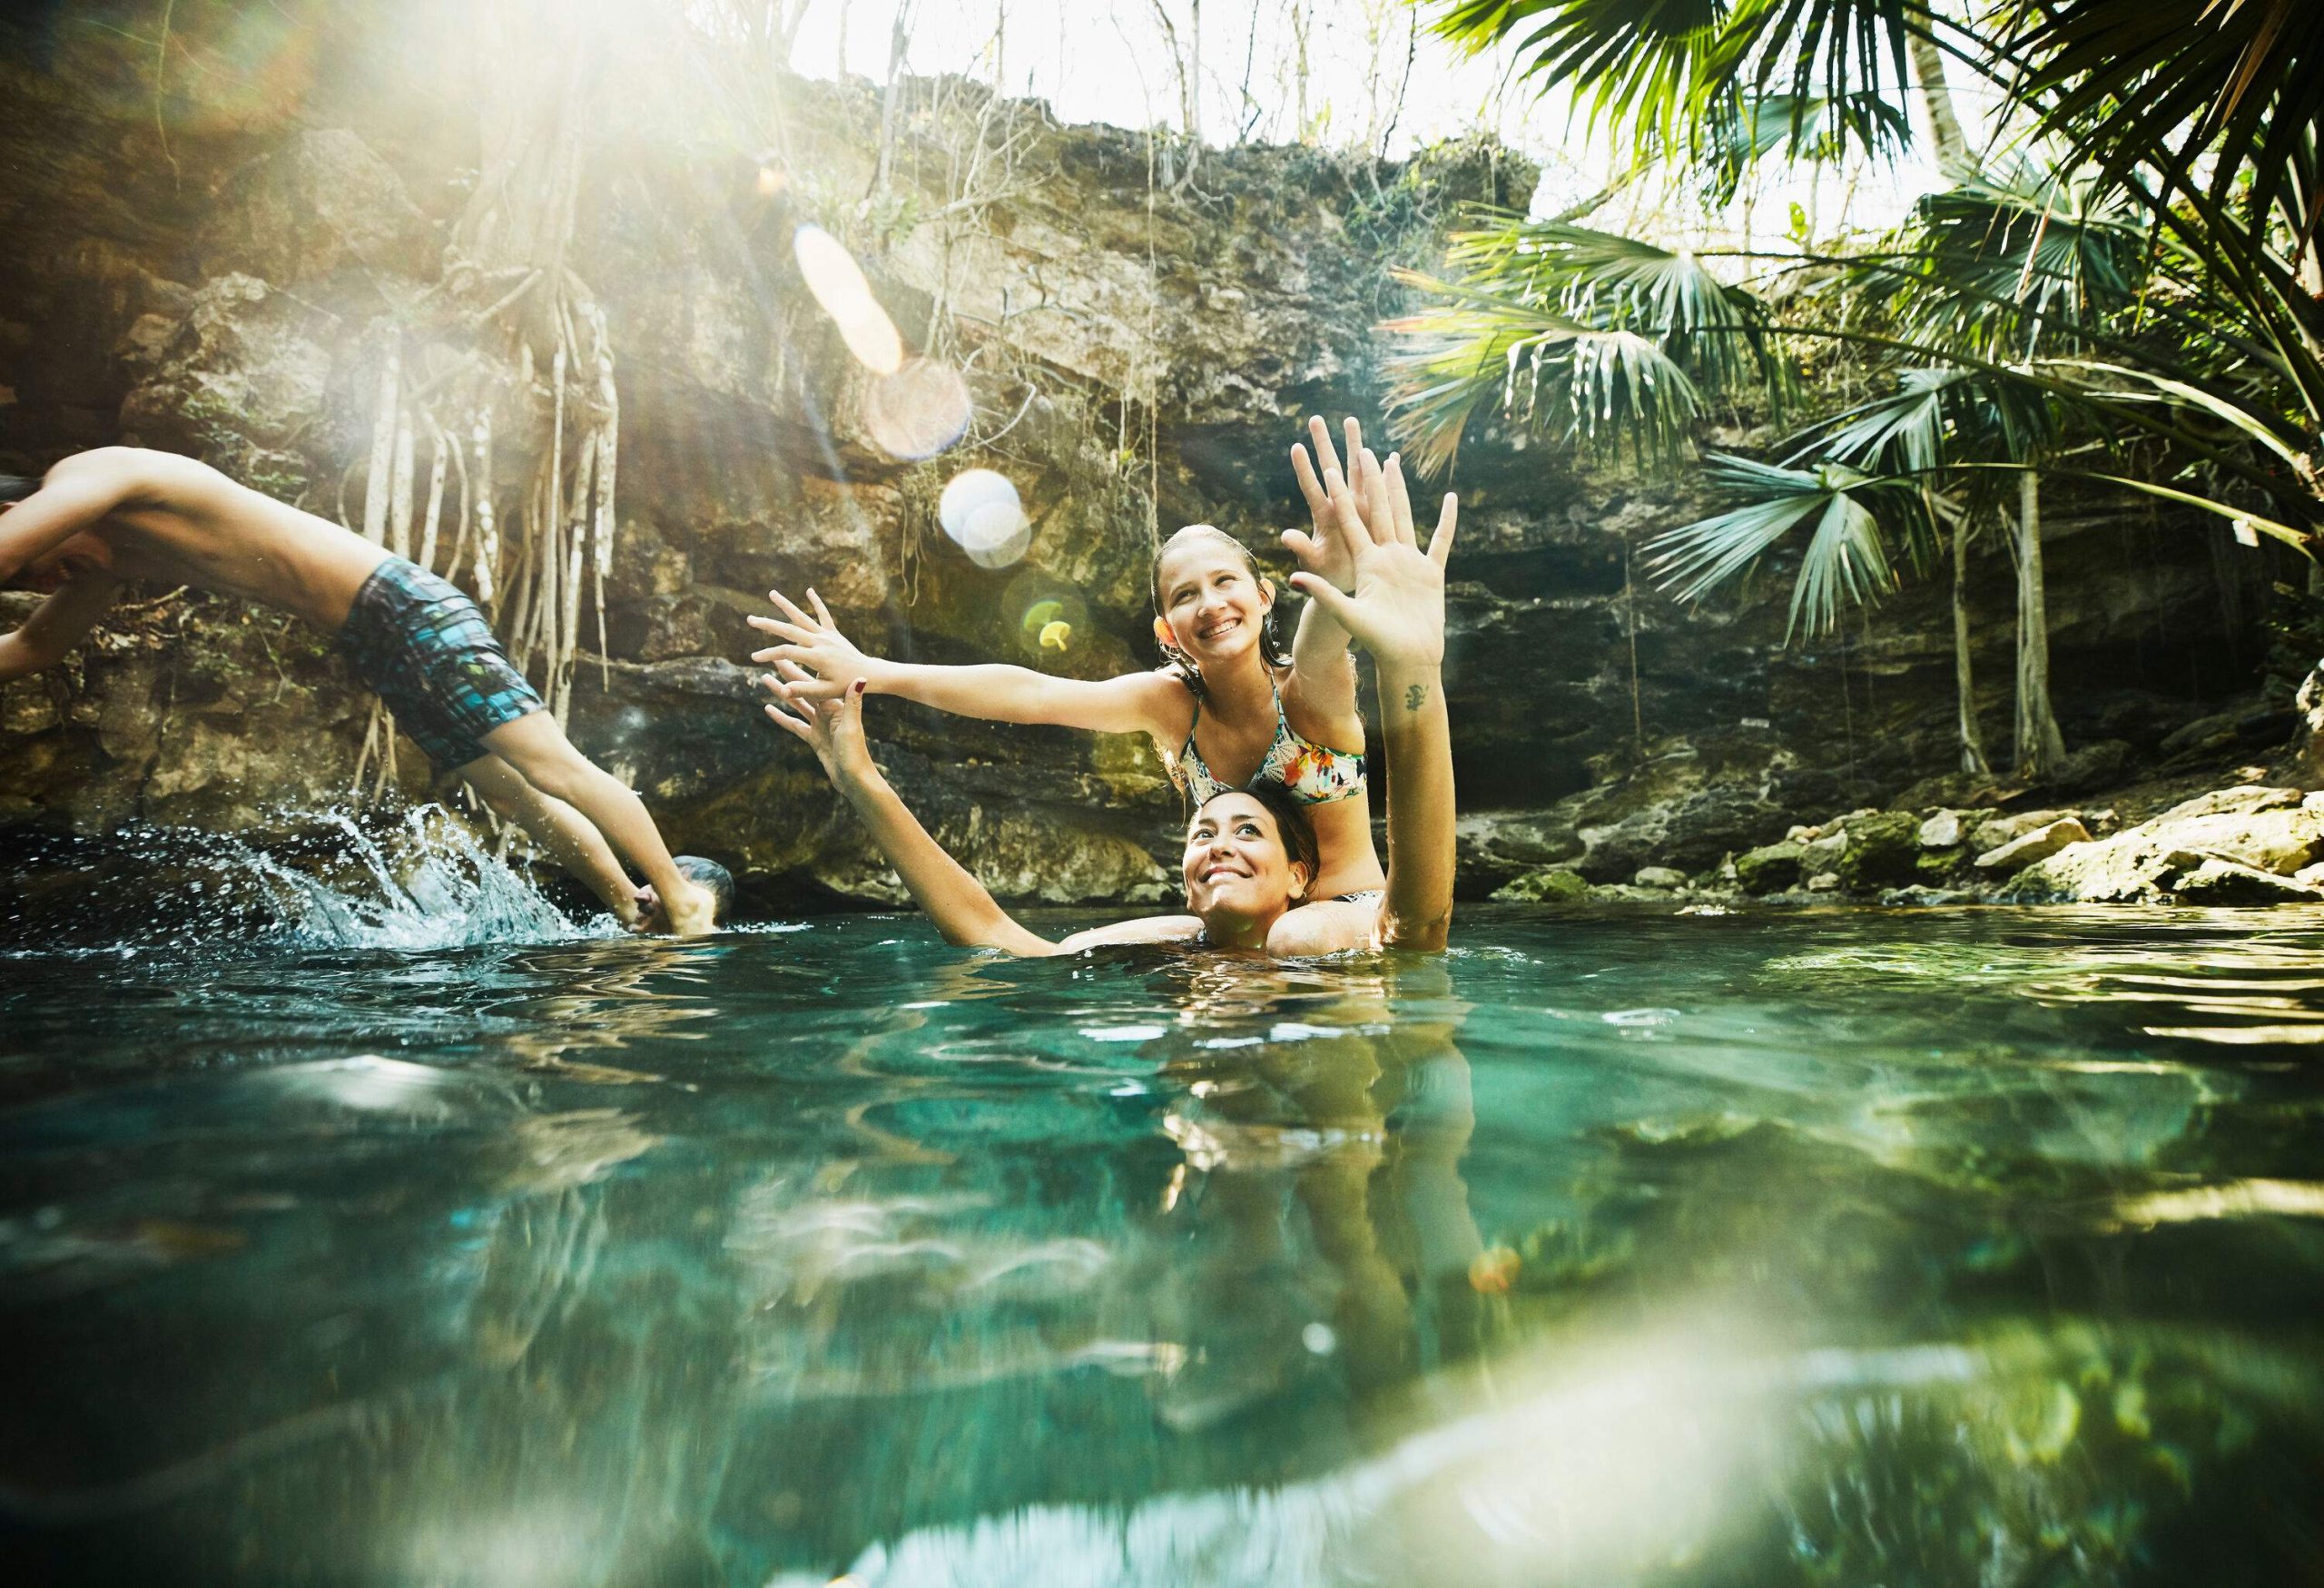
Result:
x=1575 y=332
x=1674 y=76
x=1543 y=369
x=2008 y=255
x=1809 y=127
x=2178 y=85
x=1844 y=560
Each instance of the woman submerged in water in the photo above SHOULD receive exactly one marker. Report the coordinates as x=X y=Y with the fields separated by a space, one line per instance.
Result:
x=1229 y=710
x=1251 y=857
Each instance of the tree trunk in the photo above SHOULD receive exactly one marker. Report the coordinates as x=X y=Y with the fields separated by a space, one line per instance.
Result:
x=1947 y=143
x=1972 y=743
x=2040 y=746
x=1299 y=68
x=899 y=38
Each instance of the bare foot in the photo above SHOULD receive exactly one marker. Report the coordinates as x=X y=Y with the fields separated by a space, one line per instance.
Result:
x=689 y=911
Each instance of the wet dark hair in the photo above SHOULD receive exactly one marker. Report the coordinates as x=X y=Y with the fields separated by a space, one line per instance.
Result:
x=16 y=487
x=1292 y=825
x=711 y=875
x=1176 y=662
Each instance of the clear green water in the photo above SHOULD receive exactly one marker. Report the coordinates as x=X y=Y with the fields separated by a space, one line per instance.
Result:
x=1832 y=1247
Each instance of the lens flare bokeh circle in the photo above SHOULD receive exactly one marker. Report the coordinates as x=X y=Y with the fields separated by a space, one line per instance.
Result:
x=838 y=283
x=917 y=411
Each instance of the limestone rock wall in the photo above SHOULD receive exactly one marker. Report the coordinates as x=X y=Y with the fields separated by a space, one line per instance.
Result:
x=1136 y=357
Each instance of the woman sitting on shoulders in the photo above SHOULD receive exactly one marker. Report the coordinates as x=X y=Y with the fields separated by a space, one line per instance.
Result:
x=1229 y=710
x=1250 y=859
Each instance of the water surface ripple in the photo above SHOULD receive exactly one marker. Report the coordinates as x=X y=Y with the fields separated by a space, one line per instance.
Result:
x=1822 y=1246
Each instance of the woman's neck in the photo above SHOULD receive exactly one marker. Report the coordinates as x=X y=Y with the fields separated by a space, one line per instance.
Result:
x=1222 y=930
x=1243 y=690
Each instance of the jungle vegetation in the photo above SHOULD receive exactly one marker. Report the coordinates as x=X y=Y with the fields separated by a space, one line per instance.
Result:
x=2121 y=283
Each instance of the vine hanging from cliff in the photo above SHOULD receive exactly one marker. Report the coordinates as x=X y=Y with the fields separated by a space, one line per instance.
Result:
x=507 y=368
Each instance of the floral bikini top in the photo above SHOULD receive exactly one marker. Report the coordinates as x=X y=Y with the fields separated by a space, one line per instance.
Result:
x=1312 y=774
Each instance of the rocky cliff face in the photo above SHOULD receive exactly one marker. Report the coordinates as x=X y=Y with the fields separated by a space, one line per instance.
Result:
x=1136 y=356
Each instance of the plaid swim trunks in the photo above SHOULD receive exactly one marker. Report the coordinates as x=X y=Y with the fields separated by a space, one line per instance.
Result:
x=431 y=656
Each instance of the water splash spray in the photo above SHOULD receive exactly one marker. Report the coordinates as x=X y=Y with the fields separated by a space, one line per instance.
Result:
x=422 y=882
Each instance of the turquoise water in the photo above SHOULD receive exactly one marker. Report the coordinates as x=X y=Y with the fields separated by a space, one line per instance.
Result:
x=1821 y=1246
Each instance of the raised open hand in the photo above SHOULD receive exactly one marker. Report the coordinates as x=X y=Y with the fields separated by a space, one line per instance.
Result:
x=827 y=660
x=831 y=725
x=1396 y=609
x=1321 y=551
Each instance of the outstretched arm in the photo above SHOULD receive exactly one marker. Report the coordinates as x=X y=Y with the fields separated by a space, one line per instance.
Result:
x=1397 y=613
x=1135 y=703
x=77 y=494
x=963 y=910
x=56 y=625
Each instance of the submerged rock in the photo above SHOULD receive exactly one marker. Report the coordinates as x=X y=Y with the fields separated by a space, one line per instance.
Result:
x=2222 y=882
x=1548 y=884
x=1918 y=895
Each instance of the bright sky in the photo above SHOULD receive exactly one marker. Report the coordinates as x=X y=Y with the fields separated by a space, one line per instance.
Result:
x=1370 y=82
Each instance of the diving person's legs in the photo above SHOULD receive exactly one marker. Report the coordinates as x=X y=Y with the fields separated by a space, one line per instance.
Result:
x=537 y=749
x=564 y=833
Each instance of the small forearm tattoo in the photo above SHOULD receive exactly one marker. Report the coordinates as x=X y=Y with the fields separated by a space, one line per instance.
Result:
x=1414 y=695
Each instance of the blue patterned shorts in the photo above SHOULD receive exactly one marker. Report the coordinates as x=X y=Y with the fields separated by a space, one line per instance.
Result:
x=431 y=656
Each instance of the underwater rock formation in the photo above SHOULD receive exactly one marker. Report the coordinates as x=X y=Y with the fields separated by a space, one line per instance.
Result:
x=1136 y=357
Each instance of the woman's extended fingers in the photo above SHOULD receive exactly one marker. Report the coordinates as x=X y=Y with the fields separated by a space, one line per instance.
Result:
x=779 y=654
x=1311 y=487
x=1379 y=503
x=794 y=718
x=1440 y=545
x=1319 y=436
x=1348 y=517
x=790 y=608
x=822 y=612
x=1400 y=502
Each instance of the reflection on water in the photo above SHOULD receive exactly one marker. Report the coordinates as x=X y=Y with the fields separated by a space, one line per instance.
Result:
x=1826 y=1248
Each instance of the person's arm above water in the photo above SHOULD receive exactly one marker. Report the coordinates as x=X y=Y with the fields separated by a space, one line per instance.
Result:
x=1397 y=613
x=77 y=495
x=1135 y=703
x=56 y=625
x=963 y=910
x=1323 y=670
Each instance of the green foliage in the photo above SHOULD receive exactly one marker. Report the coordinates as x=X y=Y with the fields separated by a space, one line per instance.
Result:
x=2138 y=295
x=1589 y=335
x=1700 y=78
x=1845 y=558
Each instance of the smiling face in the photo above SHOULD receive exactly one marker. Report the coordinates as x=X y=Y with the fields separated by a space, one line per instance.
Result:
x=1210 y=601
x=1240 y=873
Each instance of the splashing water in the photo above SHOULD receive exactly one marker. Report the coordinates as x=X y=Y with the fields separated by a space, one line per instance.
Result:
x=432 y=885
x=323 y=880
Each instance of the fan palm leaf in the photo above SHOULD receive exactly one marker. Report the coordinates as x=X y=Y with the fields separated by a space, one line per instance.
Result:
x=1675 y=75
x=1844 y=560
x=1580 y=334
x=2171 y=86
